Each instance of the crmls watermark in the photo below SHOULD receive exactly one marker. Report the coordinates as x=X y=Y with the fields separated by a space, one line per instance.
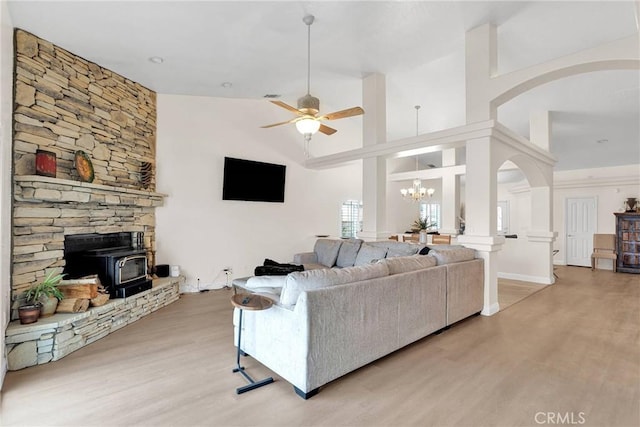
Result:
x=555 y=418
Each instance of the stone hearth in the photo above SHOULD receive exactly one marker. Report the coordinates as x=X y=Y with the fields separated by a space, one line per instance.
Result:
x=54 y=337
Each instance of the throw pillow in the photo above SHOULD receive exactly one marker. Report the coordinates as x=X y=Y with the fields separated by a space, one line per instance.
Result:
x=299 y=282
x=369 y=253
x=327 y=251
x=348 y=252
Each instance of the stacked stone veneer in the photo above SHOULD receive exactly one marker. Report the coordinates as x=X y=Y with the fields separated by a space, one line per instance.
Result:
x=52 y=338
x=64 y=103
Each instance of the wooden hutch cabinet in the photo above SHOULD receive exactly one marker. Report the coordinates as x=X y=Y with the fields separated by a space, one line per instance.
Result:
x=628 y=242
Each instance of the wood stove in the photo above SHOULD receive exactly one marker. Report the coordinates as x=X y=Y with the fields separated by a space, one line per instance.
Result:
x=118 y=259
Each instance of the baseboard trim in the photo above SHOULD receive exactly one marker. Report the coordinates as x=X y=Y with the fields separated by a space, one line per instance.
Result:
x=490 y=310
x=525 y=278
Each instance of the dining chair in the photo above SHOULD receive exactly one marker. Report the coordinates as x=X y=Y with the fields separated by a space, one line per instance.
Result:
x=604 y=246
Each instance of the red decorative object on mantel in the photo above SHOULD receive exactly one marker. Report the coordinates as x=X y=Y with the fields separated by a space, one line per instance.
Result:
x=45 y=163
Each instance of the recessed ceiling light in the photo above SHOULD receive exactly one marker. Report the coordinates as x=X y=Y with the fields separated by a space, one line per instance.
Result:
x=156 y=59
x=602 y=141
x=226 y=85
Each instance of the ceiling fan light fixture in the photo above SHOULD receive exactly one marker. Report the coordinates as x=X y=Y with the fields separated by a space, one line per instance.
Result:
x=307 y=125
x=308 y=122
x=309 y=104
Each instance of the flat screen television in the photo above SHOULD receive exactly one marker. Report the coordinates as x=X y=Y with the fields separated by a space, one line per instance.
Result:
x=253 y=181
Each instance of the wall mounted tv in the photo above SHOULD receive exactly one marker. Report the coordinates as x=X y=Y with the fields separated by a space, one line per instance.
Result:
x=253 y=181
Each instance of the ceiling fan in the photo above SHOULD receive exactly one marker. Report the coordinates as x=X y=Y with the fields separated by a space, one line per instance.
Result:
x=307 y=120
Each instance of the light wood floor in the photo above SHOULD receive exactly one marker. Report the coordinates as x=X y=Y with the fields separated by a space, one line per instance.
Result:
x=570 y=348
x=513 y=291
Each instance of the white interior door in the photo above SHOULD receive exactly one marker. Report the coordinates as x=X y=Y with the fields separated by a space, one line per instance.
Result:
x=580 y=223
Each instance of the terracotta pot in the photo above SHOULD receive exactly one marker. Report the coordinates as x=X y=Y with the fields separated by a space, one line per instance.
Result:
x=29 y=313
x=49 y=307
x=45 y=163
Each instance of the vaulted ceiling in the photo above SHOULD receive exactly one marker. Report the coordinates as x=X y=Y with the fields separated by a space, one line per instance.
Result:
x=260 y=48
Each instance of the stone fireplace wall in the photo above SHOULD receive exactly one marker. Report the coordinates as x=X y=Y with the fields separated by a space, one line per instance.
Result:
x=64 y=103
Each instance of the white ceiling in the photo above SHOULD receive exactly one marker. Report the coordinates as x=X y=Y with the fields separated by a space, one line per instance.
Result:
x=260 y=47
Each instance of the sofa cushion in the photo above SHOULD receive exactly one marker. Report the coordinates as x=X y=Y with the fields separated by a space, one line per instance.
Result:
x=303 y=258
x=450 y=254
x=301 y=281
x=405 y=264
x=370 y=253
x=327 y=251
x=401 y=249
x=445 y=247
x=313 y=266
x=348 y=252
x=256 y=282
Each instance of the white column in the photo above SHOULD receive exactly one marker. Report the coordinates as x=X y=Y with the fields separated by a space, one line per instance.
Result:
x=481 y=63
x=481 y=189
x=541 y=235
x=481 y=175
x=541 y=250
x=487 y=248
x=542 y=209
x=481 y=215
x=450 y=194
x=540 y=129
x=374 y=170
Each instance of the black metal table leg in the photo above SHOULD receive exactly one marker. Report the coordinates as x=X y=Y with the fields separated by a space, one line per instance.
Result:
x=252 y=383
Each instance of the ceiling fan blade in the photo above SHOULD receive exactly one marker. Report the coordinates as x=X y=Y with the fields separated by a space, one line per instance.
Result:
x=326 y=130
x=287 y=107
x=349 y=112
x=278 y=124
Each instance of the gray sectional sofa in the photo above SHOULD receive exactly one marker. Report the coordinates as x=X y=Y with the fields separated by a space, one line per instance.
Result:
x=354 y=303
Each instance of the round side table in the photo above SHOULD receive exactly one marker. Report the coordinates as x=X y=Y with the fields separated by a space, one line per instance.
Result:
x=255 y=303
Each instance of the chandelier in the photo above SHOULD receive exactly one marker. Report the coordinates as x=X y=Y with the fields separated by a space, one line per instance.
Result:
x=417 y=192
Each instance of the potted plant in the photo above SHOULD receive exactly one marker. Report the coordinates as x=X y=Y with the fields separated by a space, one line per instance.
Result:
x=46 y=293
x=422 y=225
x=29 y=313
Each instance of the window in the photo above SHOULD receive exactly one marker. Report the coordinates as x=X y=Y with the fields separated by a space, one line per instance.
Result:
x=503 y=217
x=431 y=212
x=350 y=218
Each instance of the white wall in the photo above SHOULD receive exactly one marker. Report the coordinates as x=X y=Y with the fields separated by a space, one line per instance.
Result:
x=6 y=97
x=611 y=186
x=203 y=234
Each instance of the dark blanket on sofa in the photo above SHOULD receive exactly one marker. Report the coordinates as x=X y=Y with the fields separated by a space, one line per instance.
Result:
x=273 y=268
